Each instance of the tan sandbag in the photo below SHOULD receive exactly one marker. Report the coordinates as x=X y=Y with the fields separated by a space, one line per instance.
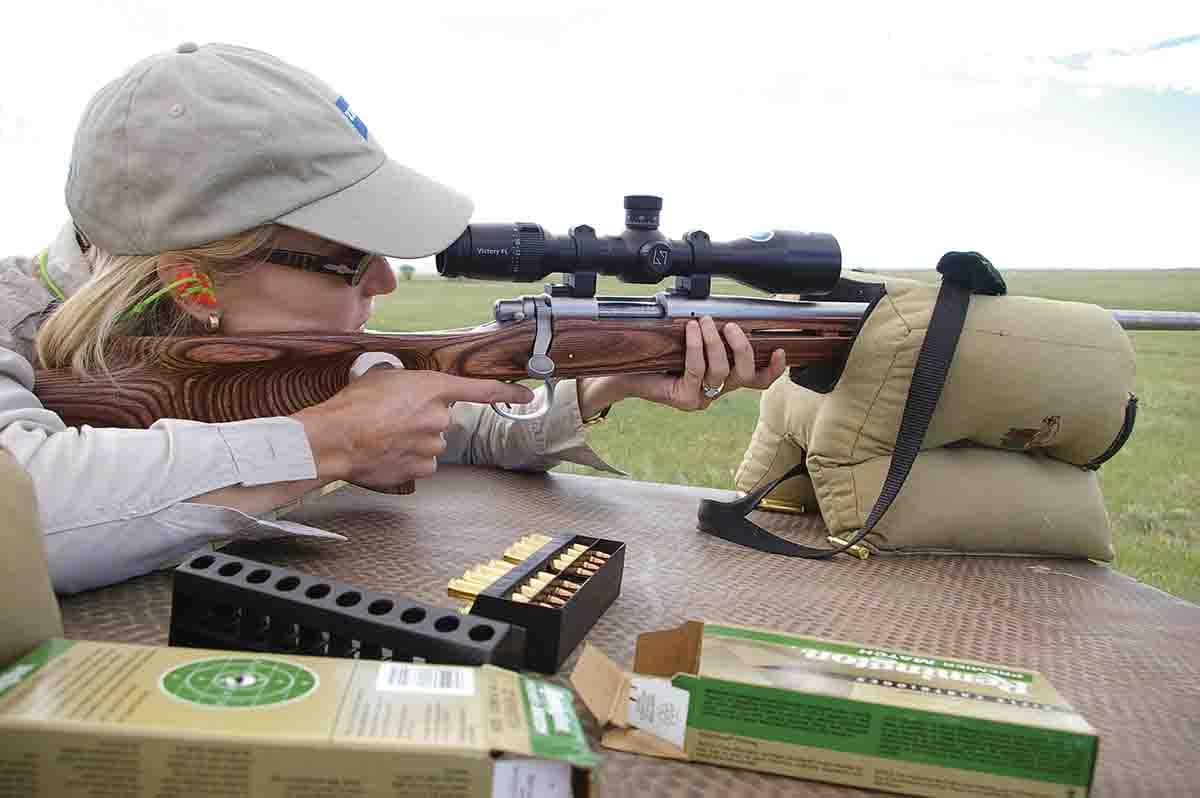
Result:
x=971 y=500
x=1028 y=374
x=1031 y=377
x=957 y=500
x=785 y=415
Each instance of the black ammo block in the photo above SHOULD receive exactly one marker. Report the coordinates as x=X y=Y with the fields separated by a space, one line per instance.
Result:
x=553 y=632
x=221 y=601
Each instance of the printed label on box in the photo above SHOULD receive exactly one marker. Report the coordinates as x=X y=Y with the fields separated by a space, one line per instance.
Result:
x=659 y=708
x=407 y=677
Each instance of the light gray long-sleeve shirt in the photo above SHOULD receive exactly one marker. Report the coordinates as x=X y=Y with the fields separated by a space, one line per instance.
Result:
x=113 y=502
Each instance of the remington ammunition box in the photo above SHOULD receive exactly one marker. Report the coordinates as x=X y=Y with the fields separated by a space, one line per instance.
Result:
x=836 y=711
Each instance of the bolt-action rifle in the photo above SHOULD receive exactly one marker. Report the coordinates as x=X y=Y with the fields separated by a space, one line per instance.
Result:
x=565 y=332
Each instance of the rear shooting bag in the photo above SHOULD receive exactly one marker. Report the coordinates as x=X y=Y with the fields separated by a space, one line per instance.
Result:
x=961 y=421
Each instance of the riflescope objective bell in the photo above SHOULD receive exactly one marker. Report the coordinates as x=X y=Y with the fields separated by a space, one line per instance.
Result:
x=778 y=261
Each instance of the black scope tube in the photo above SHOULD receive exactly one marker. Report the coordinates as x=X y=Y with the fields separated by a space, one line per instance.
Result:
x=778 y=261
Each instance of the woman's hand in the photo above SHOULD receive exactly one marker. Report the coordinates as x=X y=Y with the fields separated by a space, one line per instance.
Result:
x=707 y=373
x=387 y=426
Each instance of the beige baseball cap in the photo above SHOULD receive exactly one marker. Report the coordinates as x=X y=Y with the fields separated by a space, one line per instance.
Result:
x=194 y=145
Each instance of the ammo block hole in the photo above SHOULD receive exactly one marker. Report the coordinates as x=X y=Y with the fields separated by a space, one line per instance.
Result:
x=229 y=568
x=481 y=633
x=200 y=563
x=447 y=623
x=317 y=591
x=258 y=576
x=349 y=598
x=380 y=606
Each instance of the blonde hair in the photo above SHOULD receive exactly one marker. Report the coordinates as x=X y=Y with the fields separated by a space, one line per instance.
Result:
x=79 y=332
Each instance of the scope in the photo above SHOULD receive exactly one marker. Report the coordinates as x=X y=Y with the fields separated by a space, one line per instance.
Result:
x=777 y=261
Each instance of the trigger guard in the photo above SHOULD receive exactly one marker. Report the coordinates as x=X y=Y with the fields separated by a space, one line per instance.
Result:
x=529 y=416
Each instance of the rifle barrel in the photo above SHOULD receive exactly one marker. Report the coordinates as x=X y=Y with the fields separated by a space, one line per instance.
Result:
x=1128 y=319
x=1157 y=319
x=665 y=305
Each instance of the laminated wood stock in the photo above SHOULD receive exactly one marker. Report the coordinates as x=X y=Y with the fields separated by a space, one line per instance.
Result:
x=230 y=378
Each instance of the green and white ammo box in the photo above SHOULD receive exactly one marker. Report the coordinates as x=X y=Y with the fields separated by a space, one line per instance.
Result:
x=89 y=718
x=841 y=712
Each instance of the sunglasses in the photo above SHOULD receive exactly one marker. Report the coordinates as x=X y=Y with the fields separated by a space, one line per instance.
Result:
x=350 y=267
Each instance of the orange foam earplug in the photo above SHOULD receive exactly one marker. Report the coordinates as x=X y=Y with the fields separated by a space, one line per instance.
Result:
x=196 y=285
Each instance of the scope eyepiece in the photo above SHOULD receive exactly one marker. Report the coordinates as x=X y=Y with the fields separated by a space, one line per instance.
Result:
x=778 y=261
x=515 y=252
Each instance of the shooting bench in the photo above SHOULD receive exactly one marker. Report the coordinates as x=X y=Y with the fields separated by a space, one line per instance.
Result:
x=1125 y=655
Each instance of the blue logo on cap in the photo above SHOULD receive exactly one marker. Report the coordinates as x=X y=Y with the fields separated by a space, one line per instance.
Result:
x=344 y=107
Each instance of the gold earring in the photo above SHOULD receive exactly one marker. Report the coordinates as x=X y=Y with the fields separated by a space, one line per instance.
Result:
x=214 y=322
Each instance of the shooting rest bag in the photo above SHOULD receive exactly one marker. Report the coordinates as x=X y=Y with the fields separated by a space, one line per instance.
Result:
x=786 y=414
x=1038 y=394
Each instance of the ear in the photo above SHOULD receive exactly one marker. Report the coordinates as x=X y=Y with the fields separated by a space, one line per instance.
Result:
x=193 y=292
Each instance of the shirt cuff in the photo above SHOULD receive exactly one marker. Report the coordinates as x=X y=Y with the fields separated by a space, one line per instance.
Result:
x=82 y=559
x=267 y=450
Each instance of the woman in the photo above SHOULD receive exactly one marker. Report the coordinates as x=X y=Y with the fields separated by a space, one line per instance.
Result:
x=219 y=189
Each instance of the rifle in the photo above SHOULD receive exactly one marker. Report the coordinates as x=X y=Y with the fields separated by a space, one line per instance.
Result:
x=565 y=332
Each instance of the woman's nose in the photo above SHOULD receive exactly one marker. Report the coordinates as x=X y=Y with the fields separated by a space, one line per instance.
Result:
x=379 y=279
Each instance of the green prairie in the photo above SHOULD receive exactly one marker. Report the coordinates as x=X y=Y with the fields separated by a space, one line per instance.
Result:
x=1151 y=488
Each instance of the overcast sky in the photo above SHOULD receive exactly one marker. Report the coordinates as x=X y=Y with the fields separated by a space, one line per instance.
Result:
x=1043 y=134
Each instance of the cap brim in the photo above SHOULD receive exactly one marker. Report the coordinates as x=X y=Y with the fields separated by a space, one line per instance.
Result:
x=393 y=211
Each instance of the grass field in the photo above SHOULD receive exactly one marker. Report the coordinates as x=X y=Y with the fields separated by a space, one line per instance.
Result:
x=1152 y=487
